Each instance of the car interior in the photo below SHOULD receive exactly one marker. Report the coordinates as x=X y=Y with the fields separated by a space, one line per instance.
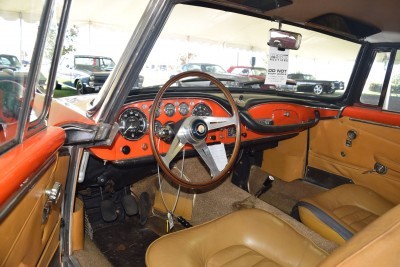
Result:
x=192 y=169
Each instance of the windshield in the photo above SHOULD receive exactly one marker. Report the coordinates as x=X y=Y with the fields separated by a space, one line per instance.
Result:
x=230 y=41
x=230 y=46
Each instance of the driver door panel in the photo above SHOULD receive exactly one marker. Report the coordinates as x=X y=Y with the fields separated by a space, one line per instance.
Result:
x=29 y=237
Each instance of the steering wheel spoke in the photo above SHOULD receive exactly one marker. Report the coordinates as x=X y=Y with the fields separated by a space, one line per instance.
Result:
x=218 y=122
x=173 y=150
x=205 y=153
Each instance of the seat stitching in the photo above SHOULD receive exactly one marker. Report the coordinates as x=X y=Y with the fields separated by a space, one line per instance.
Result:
x=263 y=258
x=248 y=252
x=365 y=218
x=328 y=220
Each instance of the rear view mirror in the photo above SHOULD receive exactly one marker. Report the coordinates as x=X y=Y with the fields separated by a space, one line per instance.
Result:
x=284 y=39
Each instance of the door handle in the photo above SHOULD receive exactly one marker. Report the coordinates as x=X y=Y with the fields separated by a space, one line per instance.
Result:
x=53 y=195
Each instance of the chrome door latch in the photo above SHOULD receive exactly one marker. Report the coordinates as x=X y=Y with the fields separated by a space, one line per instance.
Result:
x=53 y=195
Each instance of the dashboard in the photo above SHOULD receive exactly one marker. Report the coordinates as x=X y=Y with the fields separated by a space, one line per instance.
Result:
x=258 y=123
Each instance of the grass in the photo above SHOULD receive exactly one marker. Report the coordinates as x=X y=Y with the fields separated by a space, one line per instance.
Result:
x=64 y=92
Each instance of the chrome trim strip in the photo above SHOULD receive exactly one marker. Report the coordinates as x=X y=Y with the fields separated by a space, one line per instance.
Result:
x=36 y=61
x=340 y=112
x=69 y=200
x=82 y=169
x=63 y=22
x=375 y=123
x=25 y=187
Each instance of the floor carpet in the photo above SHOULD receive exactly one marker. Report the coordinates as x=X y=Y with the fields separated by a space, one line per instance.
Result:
x=125 y=244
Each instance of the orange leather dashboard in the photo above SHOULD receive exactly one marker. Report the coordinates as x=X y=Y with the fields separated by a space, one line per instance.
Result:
x=278 y=114
x=372 y=115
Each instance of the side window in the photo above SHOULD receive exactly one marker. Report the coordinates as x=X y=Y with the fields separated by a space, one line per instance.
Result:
x=20 y=112
x=392 y=99
x=374 y=84
x=373 y=91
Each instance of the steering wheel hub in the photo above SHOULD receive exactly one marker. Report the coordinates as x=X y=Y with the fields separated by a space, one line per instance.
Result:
x=198 y=129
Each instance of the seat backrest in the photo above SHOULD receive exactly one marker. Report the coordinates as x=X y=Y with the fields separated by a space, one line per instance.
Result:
x=376 y=245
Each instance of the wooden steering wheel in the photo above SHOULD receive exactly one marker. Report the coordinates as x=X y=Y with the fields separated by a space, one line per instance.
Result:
x=193 y=131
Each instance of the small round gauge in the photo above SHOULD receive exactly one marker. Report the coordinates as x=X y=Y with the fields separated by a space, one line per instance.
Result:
x=201 y=110
x=183 y=109
x=158 y=111
x=169 y=110
x=132 y=124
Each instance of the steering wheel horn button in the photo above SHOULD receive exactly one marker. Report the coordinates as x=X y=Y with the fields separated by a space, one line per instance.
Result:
x=199 y=129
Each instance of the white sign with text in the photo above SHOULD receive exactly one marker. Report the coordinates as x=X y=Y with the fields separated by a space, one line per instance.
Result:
x=278 y=64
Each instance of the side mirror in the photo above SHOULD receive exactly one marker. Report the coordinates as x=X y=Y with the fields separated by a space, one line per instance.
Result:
x=284 y=39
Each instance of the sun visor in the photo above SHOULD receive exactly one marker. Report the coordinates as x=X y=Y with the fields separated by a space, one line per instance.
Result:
x=261 y=5
x=343 y=26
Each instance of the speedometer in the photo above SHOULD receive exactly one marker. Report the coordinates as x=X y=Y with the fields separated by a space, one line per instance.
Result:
x=132 y=124
x=201 y=110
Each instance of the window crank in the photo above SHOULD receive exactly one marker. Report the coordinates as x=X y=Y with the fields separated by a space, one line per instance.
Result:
x=378 y=168
x=351 y=135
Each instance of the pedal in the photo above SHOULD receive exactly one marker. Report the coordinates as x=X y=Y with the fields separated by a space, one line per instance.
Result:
x=183 y=222
x=108 y=210
x=130 y=205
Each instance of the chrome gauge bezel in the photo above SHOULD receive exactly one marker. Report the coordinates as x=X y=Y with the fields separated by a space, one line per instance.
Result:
x=184 y=108
x=196 y=107
x=139 y=131
x=170 y=107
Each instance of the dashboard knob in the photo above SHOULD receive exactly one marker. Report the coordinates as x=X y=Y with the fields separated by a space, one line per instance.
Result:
x=126 y=150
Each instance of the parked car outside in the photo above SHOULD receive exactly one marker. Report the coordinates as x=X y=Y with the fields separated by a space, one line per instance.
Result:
x=85 y=73
x=218 y=72
x=11 y=69
x=9 y=62
x=308 y=83
x=253 y=72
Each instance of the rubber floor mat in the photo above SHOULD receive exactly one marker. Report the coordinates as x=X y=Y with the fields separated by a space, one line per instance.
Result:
x=125 y=244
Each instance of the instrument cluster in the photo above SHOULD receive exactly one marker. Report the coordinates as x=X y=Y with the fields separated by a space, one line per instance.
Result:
x=133 y=121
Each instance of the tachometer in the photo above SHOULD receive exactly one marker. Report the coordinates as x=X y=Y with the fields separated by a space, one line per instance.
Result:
x=201 y=110
x=132 y=124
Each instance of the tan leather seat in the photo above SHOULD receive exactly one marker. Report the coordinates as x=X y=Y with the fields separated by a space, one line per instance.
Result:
x=257 y=238
x=248 y=237
x=341 y=212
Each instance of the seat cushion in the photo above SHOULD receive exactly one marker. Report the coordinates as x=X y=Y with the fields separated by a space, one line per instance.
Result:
x=249 y=237
x=376 y=245
x=341 y=212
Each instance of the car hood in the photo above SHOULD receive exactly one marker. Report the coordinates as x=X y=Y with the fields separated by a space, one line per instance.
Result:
x=241 y=79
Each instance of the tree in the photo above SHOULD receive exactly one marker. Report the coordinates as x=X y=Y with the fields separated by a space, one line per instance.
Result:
x=70 y=36
x=69 y=39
